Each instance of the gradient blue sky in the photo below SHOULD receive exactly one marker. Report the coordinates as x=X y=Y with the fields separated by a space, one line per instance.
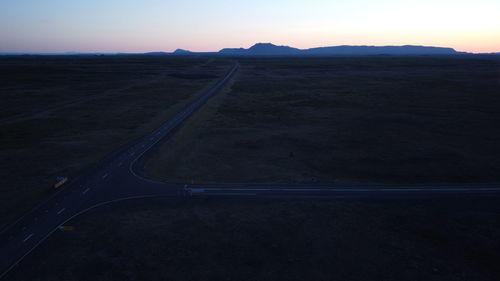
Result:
x=156 y=25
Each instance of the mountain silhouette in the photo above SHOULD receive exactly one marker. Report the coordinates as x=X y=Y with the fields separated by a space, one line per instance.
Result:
x=262 y=49
x=380 y=50
x=155 y=53
x=268 y=49
x=182 y=52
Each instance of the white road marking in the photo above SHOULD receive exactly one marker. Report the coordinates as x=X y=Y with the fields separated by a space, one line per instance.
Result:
x=276 y=189
x=232 y=194
x=202 y=190
x=404 y=189
x=105 y=176
x=46 y=236
x=60 y=211
x=86 y=190
x=28 y=238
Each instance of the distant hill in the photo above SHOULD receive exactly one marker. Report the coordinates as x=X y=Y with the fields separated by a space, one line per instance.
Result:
x=380 y=50
x=176 y=52
x=268 y=49
x=262 y=49
x=182 y=52
x=156 y=53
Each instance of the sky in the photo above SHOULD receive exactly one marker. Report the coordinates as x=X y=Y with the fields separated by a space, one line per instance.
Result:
x=45 y=26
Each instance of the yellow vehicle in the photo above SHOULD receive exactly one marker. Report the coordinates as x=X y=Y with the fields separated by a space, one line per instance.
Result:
x=60 y=181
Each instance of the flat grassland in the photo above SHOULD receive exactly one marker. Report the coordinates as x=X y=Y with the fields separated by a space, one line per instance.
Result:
x=62 y=114
x=346 y=120
x=272 y=240
x=342 y=120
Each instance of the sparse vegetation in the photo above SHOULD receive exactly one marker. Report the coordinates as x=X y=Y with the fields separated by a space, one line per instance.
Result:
x=293 y=240
x=61 y=114
x=345 y=120
x=341 y=120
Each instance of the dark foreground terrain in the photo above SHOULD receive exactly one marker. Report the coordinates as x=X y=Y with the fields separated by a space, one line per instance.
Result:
x=345 y=120
x=60 y=115
x=340 y=120
x=291 y=240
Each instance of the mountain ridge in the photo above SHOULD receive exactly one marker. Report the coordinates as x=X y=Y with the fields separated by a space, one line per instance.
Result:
x=268 y=49
x=262 y=49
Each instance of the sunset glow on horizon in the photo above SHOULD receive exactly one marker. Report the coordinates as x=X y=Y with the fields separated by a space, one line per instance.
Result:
x=153 y=25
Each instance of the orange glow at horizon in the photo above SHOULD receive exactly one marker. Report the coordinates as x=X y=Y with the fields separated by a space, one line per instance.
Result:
x=208 y=26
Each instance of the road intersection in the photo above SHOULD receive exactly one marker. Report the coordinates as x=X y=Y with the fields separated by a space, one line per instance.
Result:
x=116 y=179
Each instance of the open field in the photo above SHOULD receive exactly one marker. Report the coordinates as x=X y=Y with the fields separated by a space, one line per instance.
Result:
x=273 y=240
x=341 y=120
x=62 y=114
x=345 y=120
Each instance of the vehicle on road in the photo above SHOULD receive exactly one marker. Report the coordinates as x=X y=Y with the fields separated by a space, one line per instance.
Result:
x=60 y=181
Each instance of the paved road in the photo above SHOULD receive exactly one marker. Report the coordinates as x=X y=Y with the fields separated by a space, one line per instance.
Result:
x=340 y=192
x=115 y=179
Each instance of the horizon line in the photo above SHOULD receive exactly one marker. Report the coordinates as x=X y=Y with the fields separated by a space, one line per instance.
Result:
x=214 y=52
